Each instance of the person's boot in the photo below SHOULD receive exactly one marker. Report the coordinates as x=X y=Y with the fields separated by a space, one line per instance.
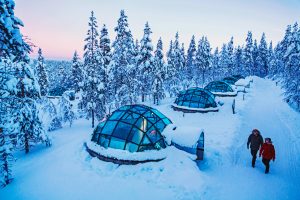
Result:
x=266 y=171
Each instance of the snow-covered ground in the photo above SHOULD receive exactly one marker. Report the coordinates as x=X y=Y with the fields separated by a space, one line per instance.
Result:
x=66 y=171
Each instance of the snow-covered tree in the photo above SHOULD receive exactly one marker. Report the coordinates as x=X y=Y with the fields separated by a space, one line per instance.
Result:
x=203 y=59
x=191 y=60
x=77 y=73
x=12 y=45
x=93 y=87
x=230 y=53
x=238 y=61
x=248 y=61
x=106 y=53
x=65 y=110
x=146 y=63
x=262 y=60
x=215 y=65
x=292 y=67
x=42 y=74
x=123 y=62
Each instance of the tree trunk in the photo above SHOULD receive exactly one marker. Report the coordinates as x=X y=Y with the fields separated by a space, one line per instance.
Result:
x=26 y=143
x=93 y=118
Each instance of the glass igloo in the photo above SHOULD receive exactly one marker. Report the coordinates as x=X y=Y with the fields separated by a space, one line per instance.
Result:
x=195 y=100
x=220 y=88
x=134 y=128
x=230 y=80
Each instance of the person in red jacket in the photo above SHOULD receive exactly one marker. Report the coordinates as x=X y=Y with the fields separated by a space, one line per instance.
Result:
x=267 y=151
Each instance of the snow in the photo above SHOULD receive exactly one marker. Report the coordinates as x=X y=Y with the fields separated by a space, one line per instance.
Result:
x=66 y=171
x=126 y=155
x=196 y=109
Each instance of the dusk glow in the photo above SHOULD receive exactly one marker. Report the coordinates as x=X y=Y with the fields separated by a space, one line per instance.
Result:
x=59 y=27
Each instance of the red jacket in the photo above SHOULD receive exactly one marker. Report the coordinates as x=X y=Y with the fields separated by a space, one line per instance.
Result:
x=267 y=151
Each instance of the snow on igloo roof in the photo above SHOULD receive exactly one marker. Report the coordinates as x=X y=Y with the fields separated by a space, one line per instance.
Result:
x=218 y=86
x=134 y=128
x=196 y=98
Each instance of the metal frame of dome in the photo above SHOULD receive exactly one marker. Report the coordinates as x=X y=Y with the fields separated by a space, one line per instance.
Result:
x=238 y=76
x=134 y=128
x=230 y=80
x=220 y=88
x=195 y=100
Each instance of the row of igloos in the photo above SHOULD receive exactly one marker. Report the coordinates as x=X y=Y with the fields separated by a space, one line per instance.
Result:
x=197 y=99
x=137 y=133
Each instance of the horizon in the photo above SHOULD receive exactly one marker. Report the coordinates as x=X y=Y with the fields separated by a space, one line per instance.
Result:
x=61 y=30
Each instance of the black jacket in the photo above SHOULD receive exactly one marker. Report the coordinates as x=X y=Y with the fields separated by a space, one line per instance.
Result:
x=255 y=141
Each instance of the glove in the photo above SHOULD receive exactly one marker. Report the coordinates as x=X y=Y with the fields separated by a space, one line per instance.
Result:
x=259 y=155
x=247 y=146
x=273 y=159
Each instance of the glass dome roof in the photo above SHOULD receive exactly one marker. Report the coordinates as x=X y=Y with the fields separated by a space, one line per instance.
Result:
x=134 y=128
x=230 y=80
x=196 y=98
x=218 y=86
x=238 y=76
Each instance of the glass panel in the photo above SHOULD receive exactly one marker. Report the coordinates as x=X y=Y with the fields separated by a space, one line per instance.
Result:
x=154 y=135
x=103 y=141
x=186 y=103
x=117 y=143
x=145 y=141
x=131 y=147
x=135 y=136
x=116 y=115
x=109 y=127
x=122 y=130
x=194 y=105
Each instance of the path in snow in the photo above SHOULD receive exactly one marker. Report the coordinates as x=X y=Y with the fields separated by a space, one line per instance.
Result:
x=236 y=179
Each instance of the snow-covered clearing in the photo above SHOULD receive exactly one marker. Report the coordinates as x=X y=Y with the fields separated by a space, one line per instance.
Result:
x=66 y=171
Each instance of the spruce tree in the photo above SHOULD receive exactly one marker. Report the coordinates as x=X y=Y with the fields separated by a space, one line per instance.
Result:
x=92 y=97
x=248 y=61
x=262 y=60
x=146 y=64
x=230 y=66
x=77 y=73
x=203 y=59
x=42 y=74
x=191 y=60
x=122 y=65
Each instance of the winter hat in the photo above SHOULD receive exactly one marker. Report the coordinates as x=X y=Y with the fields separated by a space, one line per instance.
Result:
x=268 y=140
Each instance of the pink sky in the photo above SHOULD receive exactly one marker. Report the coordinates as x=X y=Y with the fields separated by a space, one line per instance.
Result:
x=59 y=26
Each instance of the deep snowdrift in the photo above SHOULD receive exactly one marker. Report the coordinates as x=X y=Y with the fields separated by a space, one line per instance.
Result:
x=66 y=171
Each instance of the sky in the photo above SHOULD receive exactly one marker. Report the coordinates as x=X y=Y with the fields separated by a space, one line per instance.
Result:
x=60 y=26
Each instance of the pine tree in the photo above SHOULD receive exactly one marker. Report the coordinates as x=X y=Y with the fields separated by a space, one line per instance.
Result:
x=292 y=67
x=191 y=59
x=203 y=59
x=18 y=92
x=230 y=66
x=216 y=68
x=255 y=57
x=77 y=73
x=12 y=45
x=65 y=110
x=146 y=63
x=262 y=60
x=238 y=61
x=248 y=61
x=159 y=74
x=93 y=87
x=106 y=53
x=42 y=74
x=122 y=70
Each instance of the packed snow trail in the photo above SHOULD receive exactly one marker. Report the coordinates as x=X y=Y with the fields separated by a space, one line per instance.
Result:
x=236 y=179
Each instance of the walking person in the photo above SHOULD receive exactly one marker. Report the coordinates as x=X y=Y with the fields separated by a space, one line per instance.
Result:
x=255 y=141
x=267 y=151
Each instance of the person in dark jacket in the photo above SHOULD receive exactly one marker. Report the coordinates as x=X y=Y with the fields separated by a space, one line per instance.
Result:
x=255 y=141
x=268 y=153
